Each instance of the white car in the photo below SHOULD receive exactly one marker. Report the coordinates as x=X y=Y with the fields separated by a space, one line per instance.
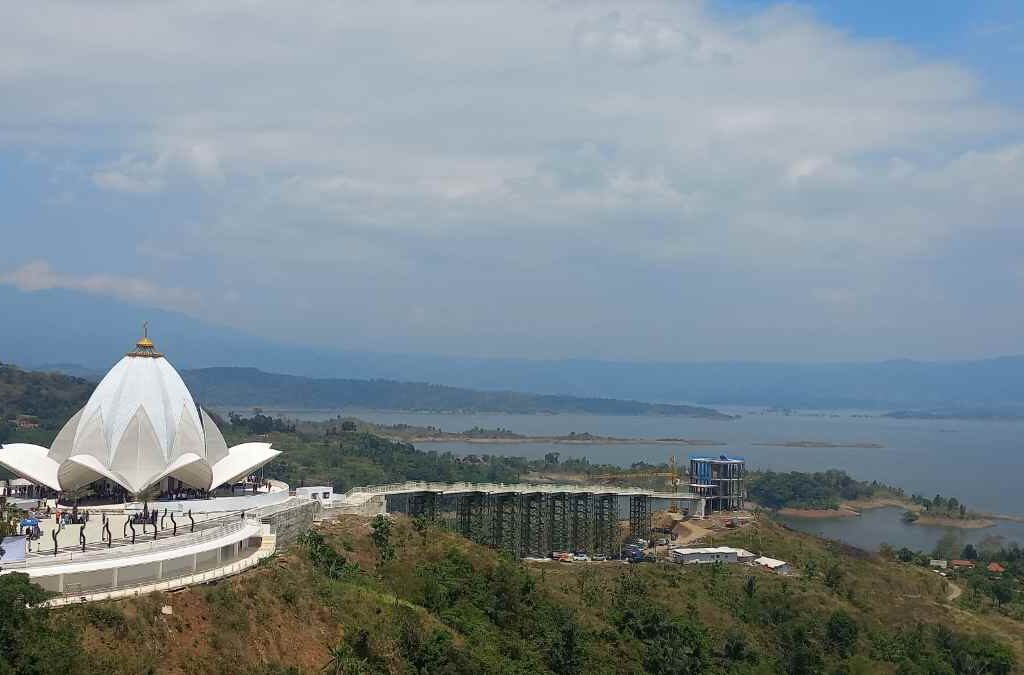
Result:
x=580 y=557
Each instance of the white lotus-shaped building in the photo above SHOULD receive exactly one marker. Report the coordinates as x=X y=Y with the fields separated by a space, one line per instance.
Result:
x=140 y=426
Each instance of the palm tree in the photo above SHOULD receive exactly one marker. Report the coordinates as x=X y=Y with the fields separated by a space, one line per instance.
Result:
x=145 y=494
x=80 y=492
x=343 y=663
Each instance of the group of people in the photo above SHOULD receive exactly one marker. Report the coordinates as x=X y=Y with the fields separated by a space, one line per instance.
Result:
x=74 y=517
x=144 y=517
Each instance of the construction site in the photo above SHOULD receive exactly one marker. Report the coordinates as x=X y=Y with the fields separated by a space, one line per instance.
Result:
x=527 y=520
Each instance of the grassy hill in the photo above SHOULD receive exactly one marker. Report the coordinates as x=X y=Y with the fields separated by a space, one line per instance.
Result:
x=51 y=398
x=445 y=605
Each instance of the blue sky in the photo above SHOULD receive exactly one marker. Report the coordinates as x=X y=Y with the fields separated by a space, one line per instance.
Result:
x=659 y=179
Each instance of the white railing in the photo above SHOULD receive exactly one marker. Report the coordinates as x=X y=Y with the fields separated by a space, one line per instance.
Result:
x=40 y=559
x=166 y=584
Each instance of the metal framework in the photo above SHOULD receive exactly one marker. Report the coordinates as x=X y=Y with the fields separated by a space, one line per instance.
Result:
x=559 y=531
x=580 y=520
x=531 y=523
x=606 y=524
x=640 y=521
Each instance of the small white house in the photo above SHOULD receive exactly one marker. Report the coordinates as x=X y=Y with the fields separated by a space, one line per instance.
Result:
x=938 y=564
x=316 y=492
x=777 y=566
x=724 y=554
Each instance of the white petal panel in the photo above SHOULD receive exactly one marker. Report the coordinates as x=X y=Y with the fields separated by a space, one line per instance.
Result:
x=242 y=460
x=188 y=438
x=216 y=447
x=90 y=439
x=31 y=462
x=79 y=470
x=62 y=445
x=139 y=457
x=191 y=469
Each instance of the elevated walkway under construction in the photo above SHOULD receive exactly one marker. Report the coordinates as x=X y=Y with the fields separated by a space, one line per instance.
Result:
x=525 y=519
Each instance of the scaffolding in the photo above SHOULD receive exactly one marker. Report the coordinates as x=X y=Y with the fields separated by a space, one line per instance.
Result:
x=531 y=523
x=559 y=530
x=640 y=517
x=722 y=480
x=580 y=530
x=606 y=524
x=534 y=539
x=505 y=525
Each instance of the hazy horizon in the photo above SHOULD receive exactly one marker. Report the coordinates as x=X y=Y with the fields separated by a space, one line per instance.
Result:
x=654 y=181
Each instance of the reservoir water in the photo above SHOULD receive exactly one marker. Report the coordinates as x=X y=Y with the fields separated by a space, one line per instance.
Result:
x=980 y=462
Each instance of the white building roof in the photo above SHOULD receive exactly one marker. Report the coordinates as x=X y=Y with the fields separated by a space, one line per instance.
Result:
x=140 y=425
x=770 y=563
x=740 y=552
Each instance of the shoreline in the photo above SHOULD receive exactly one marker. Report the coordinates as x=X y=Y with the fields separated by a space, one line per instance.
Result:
x=818 y=444
x=611 y=440
x=559 y=440
x=962 y=523
x=817 y=514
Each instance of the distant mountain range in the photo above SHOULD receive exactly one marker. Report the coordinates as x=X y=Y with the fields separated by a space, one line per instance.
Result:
x=83 y=334
x=251 y=387
x=50 y=395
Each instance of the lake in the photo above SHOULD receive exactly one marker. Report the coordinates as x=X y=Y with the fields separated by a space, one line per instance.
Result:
x=980 y=462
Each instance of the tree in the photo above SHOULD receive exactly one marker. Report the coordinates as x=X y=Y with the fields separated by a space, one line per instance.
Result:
x=348 y=426
x=750 y=586
x=834 y=576
x=969 y=552
x=382 y=537
x=1002 y=591
x=29 y=642
x=842 y=632
x=344 y=662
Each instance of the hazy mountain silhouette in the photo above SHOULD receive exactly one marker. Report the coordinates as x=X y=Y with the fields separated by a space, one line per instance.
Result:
x=87 y=333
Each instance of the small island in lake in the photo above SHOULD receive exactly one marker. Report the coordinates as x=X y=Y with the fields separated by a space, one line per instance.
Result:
x=818 y=444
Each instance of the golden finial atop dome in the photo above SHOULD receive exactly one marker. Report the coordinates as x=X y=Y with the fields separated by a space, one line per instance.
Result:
x=144 y=347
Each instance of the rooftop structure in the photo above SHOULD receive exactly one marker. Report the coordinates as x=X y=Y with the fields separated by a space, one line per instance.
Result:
x=721 y=479
x=777 y=566
x=727 y=554
x=140 y=426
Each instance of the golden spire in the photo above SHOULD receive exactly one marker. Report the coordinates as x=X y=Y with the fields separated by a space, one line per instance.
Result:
x=144 y=347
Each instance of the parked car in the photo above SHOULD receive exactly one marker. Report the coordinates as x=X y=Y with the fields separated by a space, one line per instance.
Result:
x=661 y=542
x=599 y=557
x=580 y=557
x=561 y=556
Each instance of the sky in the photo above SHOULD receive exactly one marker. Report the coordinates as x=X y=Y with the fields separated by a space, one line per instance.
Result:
x=643 y=180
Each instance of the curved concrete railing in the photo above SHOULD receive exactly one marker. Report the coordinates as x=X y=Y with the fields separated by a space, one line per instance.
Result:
x=212 y=530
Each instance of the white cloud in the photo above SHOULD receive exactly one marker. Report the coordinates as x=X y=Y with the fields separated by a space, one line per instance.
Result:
x=38 y=275
x=658 y=140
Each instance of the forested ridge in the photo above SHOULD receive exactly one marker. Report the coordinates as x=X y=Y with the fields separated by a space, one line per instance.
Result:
x=401 y=596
